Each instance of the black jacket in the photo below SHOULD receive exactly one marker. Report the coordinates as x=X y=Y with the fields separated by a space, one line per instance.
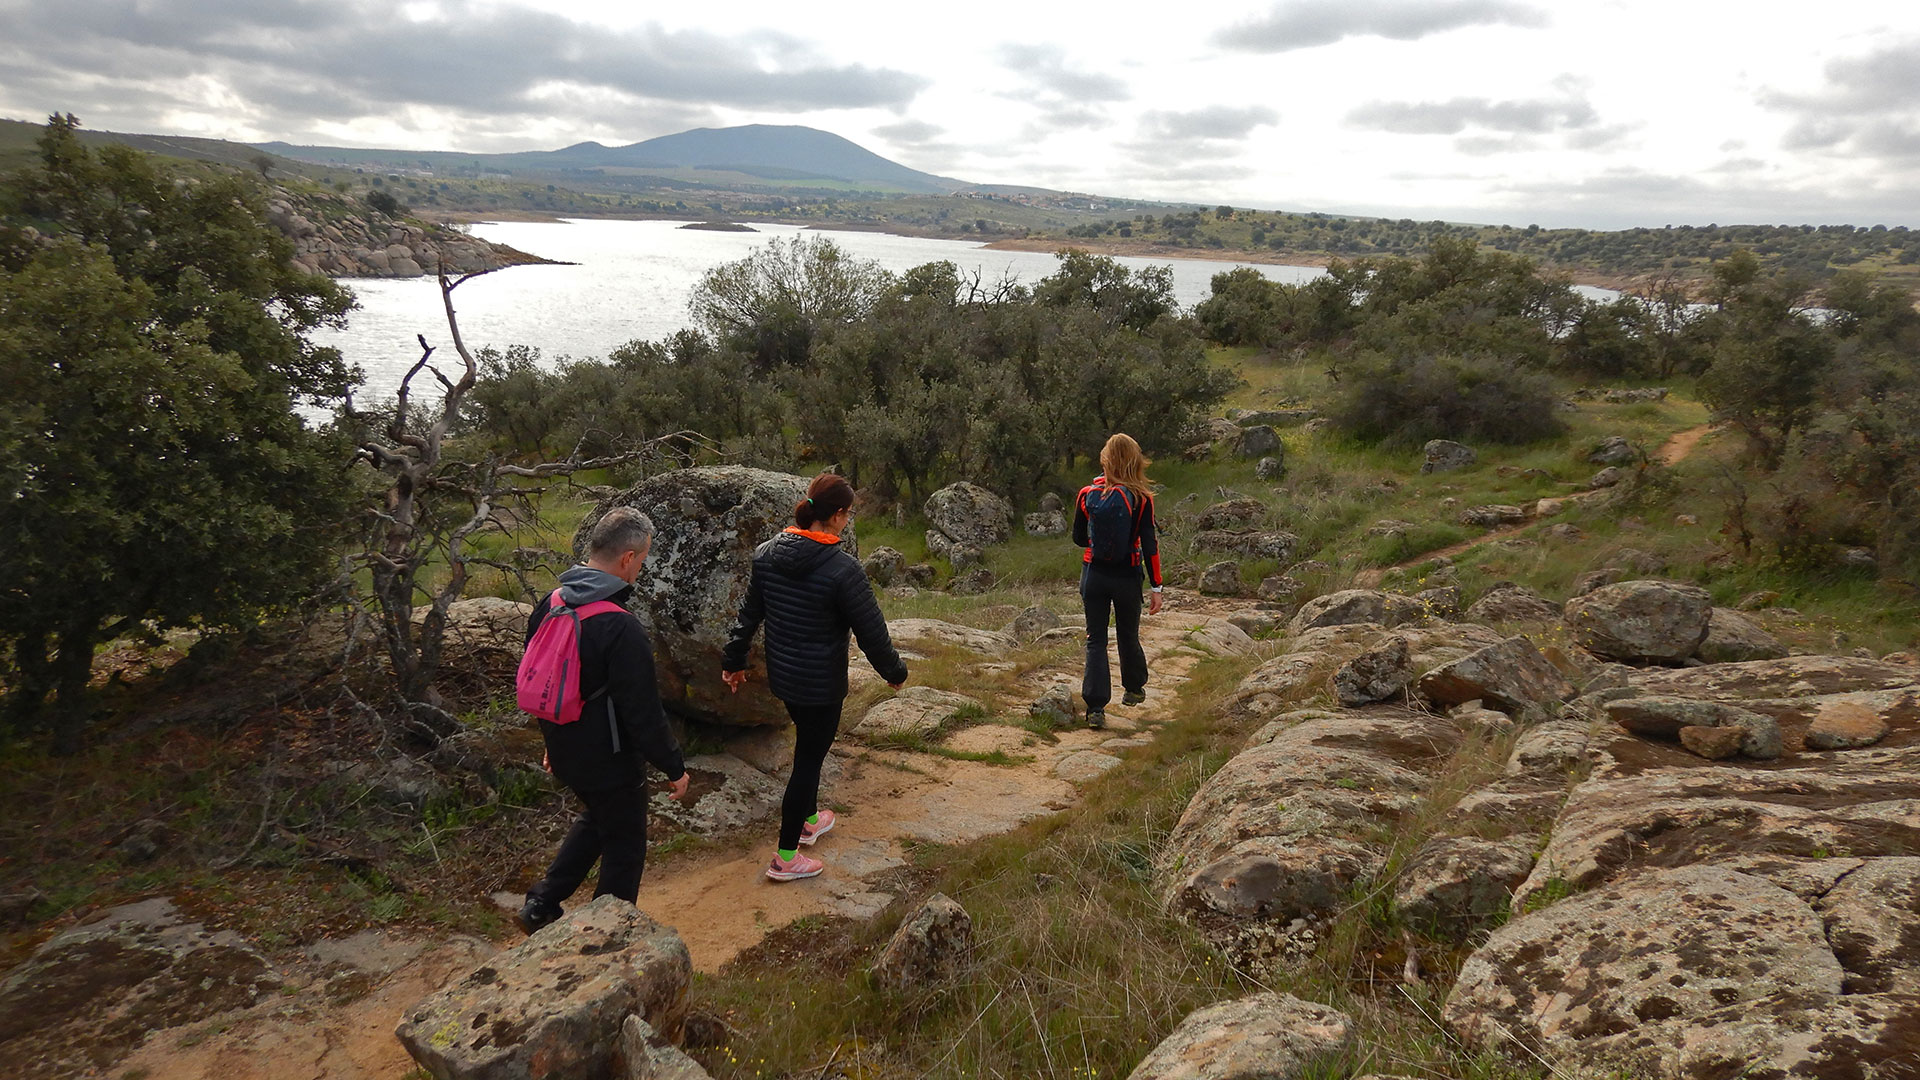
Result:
x=810 y=594
x=616 y=678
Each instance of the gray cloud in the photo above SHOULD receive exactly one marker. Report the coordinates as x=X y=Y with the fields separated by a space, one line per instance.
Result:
x=1303 y=24
x=910 y=132
x=1869 y=105
x=1538 y=117
x=1489 y=145
x=1211 y=124
x=298 y=62
x=1045 y=66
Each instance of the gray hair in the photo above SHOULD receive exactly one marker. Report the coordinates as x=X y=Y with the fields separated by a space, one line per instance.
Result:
x=621 y=529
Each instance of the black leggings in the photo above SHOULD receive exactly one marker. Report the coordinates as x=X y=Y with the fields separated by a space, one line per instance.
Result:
x=1119 y=590
x=814 y=727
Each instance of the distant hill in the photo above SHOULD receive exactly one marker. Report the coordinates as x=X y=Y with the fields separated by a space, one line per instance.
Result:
x=754 y=155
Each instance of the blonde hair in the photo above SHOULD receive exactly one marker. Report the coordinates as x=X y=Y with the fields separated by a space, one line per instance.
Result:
x=1124 y=466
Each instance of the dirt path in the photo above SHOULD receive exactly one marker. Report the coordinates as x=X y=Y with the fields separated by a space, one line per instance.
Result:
x=1676 y=449
x=342 y=1000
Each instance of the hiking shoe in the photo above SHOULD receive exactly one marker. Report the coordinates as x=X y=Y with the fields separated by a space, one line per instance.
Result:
x=811 y=831
x=1097 y=719
x=1133 y=697
x=802 y=866
x=535 y=915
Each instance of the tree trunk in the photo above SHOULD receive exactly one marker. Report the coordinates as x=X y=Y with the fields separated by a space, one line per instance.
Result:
x=71 y=670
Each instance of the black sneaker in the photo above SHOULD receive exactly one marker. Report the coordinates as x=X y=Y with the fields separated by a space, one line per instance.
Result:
x=1097 y=719
x=1133 y=697
x=535 y=915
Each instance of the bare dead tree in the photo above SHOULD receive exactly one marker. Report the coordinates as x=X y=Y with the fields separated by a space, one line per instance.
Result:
x=434 y=507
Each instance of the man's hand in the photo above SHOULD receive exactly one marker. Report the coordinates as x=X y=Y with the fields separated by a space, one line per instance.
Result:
x=546 y=763
x=734 y=679
x=677 y=791
x=1153 y=603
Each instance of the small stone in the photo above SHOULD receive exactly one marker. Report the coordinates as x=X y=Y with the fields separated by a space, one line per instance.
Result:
x=1032 y=622
x=1046 y=523
x=1493 y=516
x=1055 y=707
x=1445 y=455
x=929 y=948
x=973 y=582
x=1754 y=601
x=1083 y=766
x=1611 y=476
x=882 y=565
x=1269 y=469
x=1221 y=579
x=1712 y=743
x=1263 y=1037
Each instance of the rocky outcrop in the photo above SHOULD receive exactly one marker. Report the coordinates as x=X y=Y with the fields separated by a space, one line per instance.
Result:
x=1350 y=606
x=930 y=947
x=93 y=992
x=1247 y=544
x=1263 y=1037
x=950 y=635
x=554 y=1006
x=1231 y=514
x=707 y=521
x=341 y=238
x=1671 y=718
x=916 y=712
x=1641 y=621
x=1510 y=603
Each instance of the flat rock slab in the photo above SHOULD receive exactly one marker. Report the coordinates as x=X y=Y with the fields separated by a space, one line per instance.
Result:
x=1664 y=945
x=1788 y=677
x=1846 y=726
x=1083 y=766
x=1263 y=1037
x=1783 y=1036
x=726 y=794
x=952 y=635
x=554 y=1005
x=1873 y=921
x=1612 y=827
x=919 y=712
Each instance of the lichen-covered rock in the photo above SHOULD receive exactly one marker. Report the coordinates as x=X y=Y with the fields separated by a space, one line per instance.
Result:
x=1785 y=678
x=1231 y=514
x=1509 y=676
x=971 y=515
x=1641 y=621
x=1665 y=717
x=1258 y=441
x=93 y=992
x=1666 y=944
x=1220 y=637
x=1614 y=450
x=1032 y=622
x=915 y=712
x=973 y=581
x=1510 y=603
x=1350 y=606
x=1221 y=579
x=1551 y=750
x=1084 y=766
x=930 y=947
x=883 y=564
x=1445 y=455
x=1378 y=674
x=1733 y=638
x=1493 y=515
x=554 y=1005
x=1263 y=1037
x=1873 y=920
x=1046 y=523
x=1457 y=885
x=707 y=522
x=1249 y=545
x=646 y=1058
x=953 y=635
x=1846 y=727
x=1790 y=1035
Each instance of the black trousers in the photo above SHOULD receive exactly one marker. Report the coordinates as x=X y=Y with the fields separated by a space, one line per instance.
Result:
x=814 y=728
x=613 y=831
x=1116 y=589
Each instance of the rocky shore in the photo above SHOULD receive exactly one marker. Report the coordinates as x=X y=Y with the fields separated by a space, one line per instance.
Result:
x=340 y=237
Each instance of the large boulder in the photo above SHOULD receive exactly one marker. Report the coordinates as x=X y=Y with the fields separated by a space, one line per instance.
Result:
x=929 y=948
x=1453 y=886
x=1509 y=676
x=553 y=1007
x=1258 y=441
x=707 y=522
x=1667 y=944
x=1641 y=621
x=970 y=515
x=1356 y=606
x=1378 y=674
x=1733 y=637
x=1263 y=1037
x=1445 y=455
x=1510 y=603
x=92 y=993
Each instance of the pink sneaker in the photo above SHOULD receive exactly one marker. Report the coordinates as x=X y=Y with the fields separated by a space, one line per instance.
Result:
x=802 y=866
x=811 y=831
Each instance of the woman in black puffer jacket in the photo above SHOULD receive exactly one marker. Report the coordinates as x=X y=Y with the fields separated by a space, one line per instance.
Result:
x=810 y=592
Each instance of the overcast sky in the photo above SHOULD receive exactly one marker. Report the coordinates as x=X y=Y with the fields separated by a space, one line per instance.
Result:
x=1603 y=114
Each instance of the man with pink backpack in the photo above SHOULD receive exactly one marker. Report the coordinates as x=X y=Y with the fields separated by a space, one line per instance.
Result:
x=588 y=676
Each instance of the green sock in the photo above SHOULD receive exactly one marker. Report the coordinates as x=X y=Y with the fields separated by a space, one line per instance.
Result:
x=786 y=854
x=813 y=818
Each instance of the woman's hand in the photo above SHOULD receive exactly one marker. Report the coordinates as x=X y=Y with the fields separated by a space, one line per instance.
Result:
x=734 y=679
x=1153 y=602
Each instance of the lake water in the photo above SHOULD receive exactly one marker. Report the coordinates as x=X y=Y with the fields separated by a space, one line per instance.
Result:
x=632 y=282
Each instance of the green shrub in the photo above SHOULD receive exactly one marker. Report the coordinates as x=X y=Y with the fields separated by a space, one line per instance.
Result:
x=1406 y=402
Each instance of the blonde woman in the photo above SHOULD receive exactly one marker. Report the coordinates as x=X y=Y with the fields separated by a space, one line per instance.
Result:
x=1113 y=522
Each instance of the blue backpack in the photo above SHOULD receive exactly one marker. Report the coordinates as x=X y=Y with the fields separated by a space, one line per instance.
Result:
x=1110 y=514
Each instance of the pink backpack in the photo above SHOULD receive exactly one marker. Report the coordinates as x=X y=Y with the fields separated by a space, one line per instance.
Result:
x=548 y=683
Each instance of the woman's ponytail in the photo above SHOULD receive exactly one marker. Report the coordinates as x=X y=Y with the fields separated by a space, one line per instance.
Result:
x=826 y=496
